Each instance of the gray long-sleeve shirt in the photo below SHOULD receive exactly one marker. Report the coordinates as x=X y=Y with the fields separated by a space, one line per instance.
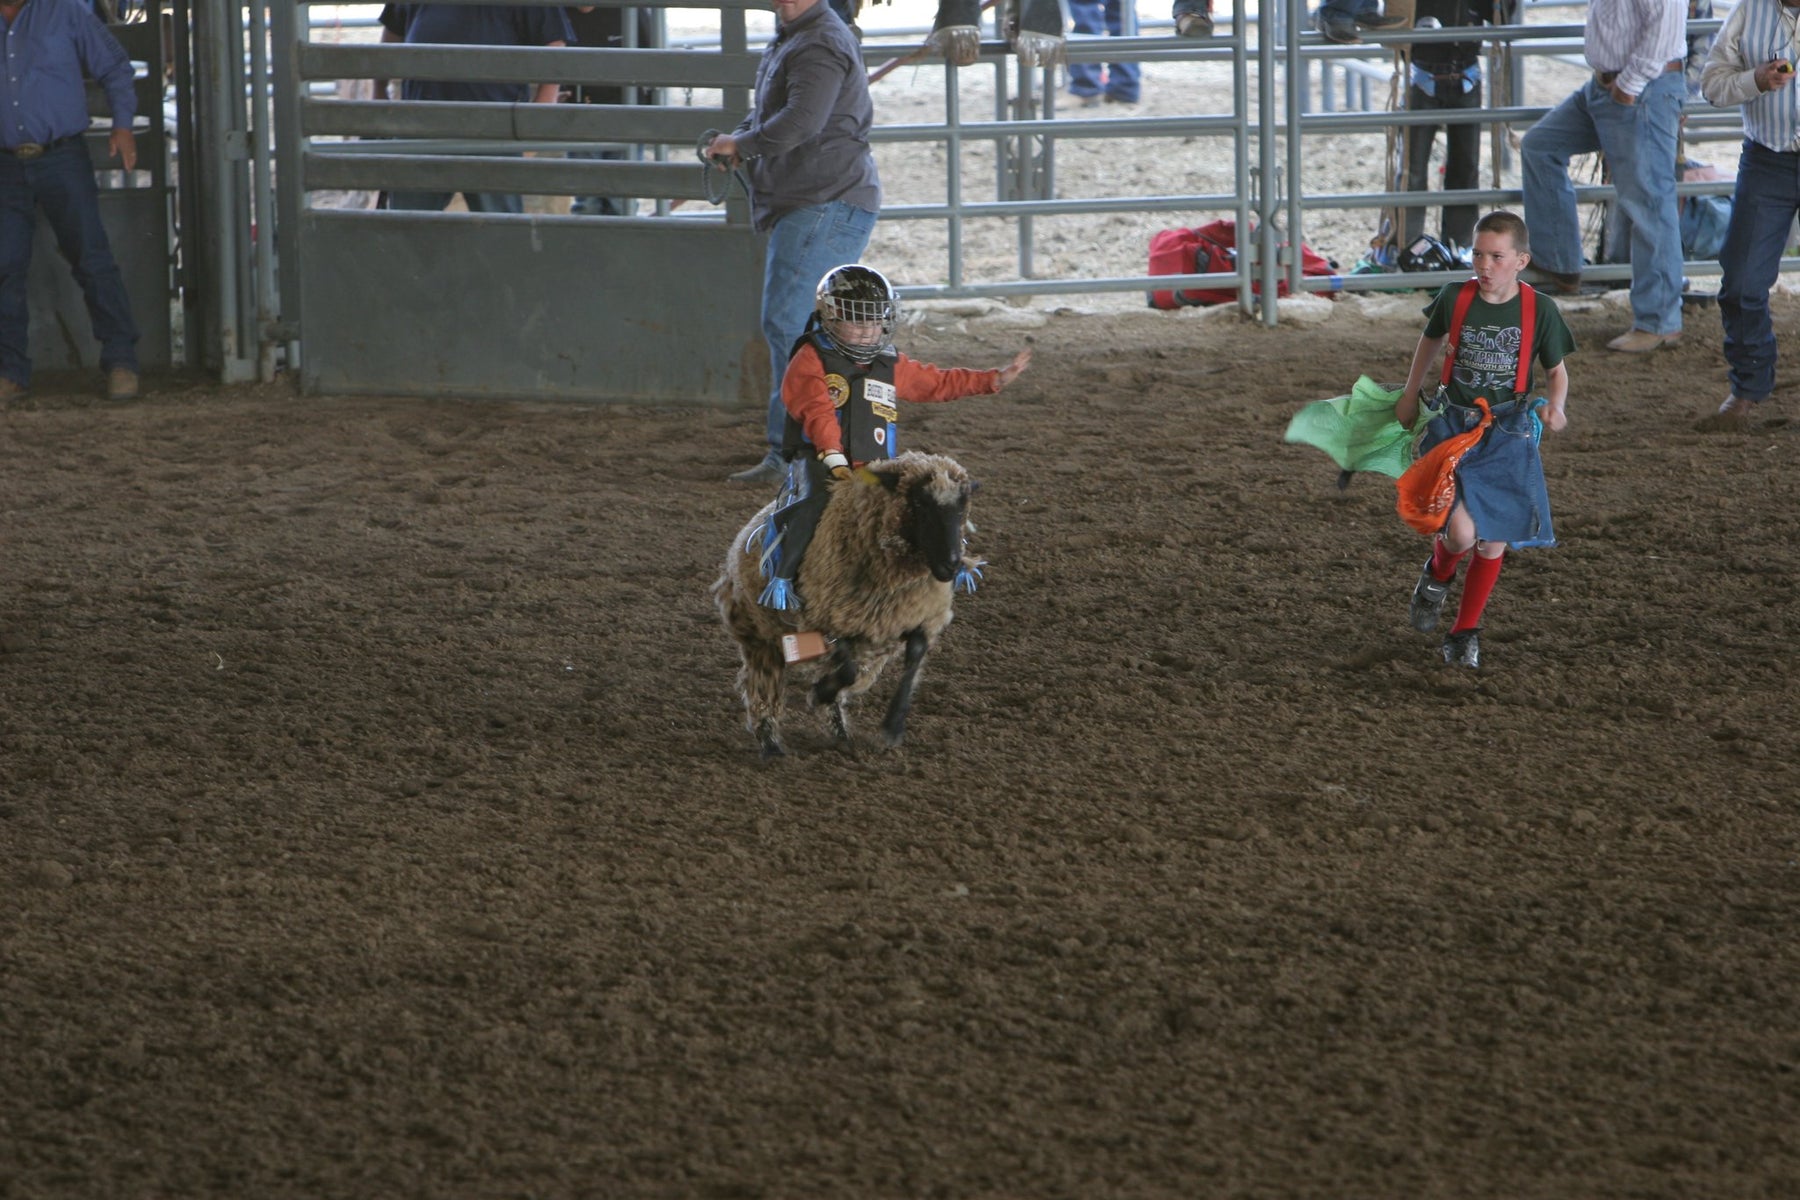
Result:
x=806 y=141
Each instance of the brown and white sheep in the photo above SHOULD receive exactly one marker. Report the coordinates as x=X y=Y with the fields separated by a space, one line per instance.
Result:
x=875 y=583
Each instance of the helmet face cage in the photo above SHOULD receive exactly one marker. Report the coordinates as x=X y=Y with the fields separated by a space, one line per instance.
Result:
x=858 y=311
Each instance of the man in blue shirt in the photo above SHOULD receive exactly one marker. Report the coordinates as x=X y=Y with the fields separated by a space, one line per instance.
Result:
x=45 y=47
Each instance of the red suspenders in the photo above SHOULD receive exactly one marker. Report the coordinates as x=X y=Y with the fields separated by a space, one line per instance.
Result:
x=1527 y=325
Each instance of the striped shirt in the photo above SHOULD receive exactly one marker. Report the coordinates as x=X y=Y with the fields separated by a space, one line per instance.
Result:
x=1756 y=32
x=1637 y=39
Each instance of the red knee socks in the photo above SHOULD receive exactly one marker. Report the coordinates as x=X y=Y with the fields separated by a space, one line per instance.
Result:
x=1478 y=585
x=1443 y=562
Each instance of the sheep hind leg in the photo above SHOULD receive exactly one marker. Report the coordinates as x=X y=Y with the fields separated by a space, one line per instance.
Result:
x=760 y=682
x=893 y=726
x=829 y=690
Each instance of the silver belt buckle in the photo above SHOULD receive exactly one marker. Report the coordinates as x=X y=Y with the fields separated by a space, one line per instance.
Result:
x=28 y=151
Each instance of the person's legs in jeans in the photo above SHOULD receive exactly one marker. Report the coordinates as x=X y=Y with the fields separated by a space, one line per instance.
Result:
x=1087 y=17
x=1462 y=168
x=803 y=246
x=1640 y=143
x=63 y=180
x=1549 y=197
x=18 y=213
x=1762 y=212
x=1122 y=79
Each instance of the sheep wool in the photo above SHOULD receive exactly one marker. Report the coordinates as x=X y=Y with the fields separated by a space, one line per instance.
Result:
x=876 y=584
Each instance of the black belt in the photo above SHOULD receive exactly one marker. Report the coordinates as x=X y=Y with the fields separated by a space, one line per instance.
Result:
x=1606 y=77
x=31 y=150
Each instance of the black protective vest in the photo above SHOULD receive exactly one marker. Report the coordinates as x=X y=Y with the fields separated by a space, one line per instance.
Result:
x=867 y=403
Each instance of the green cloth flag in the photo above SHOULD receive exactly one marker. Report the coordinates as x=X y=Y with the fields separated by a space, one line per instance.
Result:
x=1359 y=431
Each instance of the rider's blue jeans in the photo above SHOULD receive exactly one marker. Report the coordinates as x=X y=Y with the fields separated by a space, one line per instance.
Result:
x=1114 y=18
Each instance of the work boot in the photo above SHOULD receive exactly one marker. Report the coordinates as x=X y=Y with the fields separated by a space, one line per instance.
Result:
x=1733 y=416
x=1334 y=26
x=956 y=32
x=769 y=470
x=10 y=390
x=1642 y=341
x=1193 y=18
x=121 y=384
x=1036 y=31
x=1557 y=283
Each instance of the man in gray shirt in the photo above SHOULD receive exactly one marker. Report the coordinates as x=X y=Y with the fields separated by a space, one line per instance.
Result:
x=813 y=185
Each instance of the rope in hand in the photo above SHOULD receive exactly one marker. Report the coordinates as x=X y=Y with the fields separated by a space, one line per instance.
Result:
x=709 y=167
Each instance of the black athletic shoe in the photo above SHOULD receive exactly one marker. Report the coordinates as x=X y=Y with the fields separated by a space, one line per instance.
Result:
x=1463 y=649
x=1427 y=601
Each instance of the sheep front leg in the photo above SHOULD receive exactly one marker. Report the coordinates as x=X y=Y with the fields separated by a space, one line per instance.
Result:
x=893 y=727
x=829 y=690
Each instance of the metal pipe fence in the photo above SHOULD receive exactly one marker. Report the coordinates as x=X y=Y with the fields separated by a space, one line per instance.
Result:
x=1276 y=63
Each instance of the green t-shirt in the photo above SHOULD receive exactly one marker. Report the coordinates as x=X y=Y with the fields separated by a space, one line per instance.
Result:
x=1487 y=353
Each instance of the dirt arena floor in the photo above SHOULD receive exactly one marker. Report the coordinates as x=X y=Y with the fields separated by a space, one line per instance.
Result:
x=377 y=817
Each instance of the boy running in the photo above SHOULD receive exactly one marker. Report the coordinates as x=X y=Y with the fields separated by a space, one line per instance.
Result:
x=1500 y=495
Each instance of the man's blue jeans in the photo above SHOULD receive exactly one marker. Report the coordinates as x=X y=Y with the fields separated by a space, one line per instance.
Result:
x=803 y=246
x=1116 y=19
x=1639 y=141
x=61 y=182
x=1762 y=212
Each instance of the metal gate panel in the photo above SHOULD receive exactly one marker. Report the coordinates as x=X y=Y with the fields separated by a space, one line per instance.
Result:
x=454 y=304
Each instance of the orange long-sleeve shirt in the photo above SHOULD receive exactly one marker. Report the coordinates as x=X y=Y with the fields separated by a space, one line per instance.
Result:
x=805 y=394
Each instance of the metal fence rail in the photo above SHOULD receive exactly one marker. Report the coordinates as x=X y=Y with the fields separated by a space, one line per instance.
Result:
x=308 y=140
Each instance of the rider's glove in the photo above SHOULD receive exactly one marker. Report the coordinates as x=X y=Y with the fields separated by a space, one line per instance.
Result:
x=836 y=463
